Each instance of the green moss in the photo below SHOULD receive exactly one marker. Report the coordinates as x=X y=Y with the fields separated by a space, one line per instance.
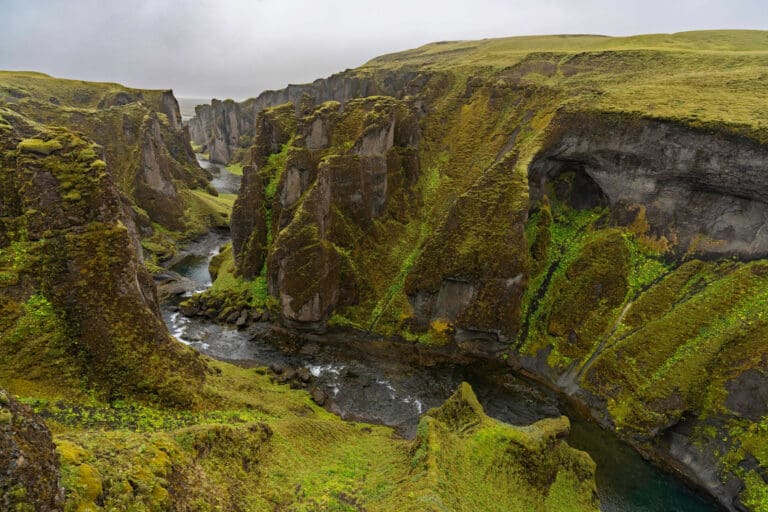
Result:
x=39 y=146
x=236 y=169
x=461 y=451
x=680 y=76
x=273 y=171
x=35 y=347
x=699 y=339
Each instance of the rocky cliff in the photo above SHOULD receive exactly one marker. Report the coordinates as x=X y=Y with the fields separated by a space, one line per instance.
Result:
x=225 y=128
x=139 y=135
x=549 y=209
x=79 y=307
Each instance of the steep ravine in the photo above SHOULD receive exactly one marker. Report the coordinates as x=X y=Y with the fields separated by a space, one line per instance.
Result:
x=467 y=281
x=554 y=211
x=369 y=386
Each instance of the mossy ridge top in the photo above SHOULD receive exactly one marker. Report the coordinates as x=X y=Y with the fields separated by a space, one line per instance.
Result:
x=67 y=92
x=458 y=53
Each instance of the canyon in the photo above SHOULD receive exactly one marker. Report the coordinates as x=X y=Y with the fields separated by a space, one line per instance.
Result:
x=584 y=213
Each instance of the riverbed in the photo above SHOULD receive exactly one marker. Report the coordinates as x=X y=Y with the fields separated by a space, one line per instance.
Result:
x=364 y=388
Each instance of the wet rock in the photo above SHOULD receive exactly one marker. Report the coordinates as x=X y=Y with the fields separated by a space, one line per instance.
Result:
x=242 y=320
x=318 y=396
x=304 y=375
x=296 y=378
x=173 y=287
x=189 y=308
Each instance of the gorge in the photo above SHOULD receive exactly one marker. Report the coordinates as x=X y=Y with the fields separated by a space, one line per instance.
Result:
x=572 y=225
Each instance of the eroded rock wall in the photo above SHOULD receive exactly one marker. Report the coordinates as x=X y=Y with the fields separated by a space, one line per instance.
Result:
x=225 y=127
x=71 y=265
x=705 y=192
x=339 y=176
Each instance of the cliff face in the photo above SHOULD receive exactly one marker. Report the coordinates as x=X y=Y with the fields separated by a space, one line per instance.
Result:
x=79 y=308
x=140 y=137
x=276 y=128
x=343 y=173
x=225 y=128
x=218 y=129
x=702 y=191
x=538 y=215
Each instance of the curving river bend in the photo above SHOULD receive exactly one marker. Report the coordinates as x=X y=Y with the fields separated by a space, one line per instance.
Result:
x=393 y=393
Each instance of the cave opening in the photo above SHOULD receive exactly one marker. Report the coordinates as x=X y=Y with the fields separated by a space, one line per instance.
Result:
x=568 y=182
x=572 y=185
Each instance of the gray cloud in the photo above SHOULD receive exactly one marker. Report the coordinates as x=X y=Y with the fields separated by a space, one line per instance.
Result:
x=237 y=48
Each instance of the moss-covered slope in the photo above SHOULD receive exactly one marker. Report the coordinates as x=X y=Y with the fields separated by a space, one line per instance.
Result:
x=261 y=446
x=468 y=461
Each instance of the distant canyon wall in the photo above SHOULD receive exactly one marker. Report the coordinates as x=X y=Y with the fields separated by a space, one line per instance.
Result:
x=225 y=127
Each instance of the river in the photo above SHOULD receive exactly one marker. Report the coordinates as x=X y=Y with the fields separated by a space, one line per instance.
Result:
x=389 y=392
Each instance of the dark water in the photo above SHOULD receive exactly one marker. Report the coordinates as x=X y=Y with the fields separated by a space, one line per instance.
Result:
x=627 y=482
x=395 y=394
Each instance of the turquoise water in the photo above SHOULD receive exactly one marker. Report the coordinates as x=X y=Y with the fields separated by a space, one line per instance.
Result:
x=625 y=481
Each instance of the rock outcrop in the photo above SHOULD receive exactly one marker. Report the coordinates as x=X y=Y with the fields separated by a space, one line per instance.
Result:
x=528 y=468
x=73 y=283
x=29 y=466
x=276 y=127
x=220 y=129
x=344 y=172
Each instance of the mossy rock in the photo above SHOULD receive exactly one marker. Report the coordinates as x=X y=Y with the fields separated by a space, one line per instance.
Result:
x=460 y=450
x=31 y=475
x=39 y=146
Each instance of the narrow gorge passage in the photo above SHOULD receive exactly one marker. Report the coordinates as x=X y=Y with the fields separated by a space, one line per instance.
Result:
x=385 y=391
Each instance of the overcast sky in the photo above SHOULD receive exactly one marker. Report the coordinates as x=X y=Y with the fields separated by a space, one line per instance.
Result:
x=237 y=48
